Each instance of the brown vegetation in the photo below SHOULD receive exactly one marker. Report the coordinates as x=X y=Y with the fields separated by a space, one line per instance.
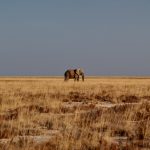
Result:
x=49 y=114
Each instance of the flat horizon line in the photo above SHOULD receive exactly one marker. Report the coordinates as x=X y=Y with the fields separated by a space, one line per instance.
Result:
x=88 y=76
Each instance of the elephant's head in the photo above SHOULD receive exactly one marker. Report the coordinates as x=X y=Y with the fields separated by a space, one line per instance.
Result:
x=80 y=72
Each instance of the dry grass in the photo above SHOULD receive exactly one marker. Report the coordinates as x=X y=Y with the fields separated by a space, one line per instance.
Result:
x=48 y=113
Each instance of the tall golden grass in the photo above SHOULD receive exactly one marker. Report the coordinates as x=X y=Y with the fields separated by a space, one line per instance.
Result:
x=100 y=113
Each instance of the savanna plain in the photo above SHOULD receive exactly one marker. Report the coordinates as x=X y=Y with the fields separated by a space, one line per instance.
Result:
x=101 y=113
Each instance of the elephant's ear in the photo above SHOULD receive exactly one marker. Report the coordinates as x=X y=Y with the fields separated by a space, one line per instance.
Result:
x=78 y=71
x=82 y=70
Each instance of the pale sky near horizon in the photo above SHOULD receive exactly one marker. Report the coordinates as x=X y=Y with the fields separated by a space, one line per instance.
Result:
x=46 y=37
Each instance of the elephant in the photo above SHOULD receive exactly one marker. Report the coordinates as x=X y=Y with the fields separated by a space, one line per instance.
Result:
x=73 y=74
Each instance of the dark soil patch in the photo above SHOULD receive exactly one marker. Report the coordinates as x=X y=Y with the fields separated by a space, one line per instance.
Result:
x=78 y=97
x=128 y=98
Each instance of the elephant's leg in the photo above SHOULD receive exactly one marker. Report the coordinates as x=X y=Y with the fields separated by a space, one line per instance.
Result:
x=74 y=79
x=77 y=77
x=65 y=78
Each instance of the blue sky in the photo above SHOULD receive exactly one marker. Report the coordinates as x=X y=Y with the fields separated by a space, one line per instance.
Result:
x=46 y=37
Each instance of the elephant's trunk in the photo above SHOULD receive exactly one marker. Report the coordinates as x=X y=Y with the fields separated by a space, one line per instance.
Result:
x=83 y=77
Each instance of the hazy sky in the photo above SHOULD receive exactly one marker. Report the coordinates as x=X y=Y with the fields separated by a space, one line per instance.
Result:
x=46 y=37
